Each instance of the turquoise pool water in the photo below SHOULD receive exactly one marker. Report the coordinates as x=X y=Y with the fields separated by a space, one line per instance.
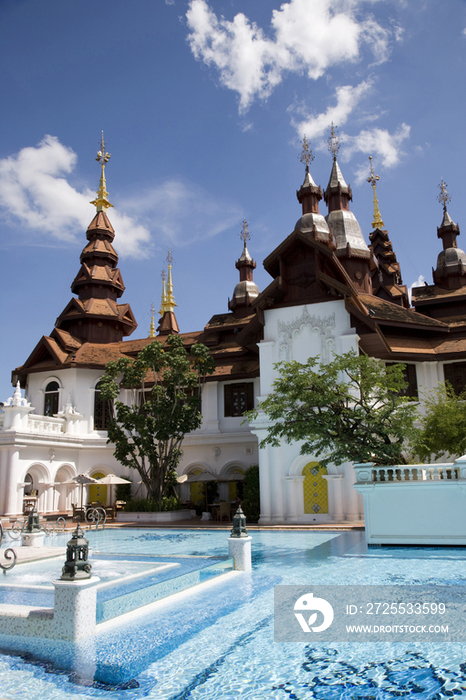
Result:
x=219 y=643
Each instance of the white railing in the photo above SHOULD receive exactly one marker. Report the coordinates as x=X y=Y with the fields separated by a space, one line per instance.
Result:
x=45 y=424
x=366 y=473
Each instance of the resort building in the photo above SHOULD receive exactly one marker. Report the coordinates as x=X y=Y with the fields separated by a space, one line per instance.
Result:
x=330 y=292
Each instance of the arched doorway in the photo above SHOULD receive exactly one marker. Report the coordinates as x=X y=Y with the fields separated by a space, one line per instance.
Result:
x=315 y=489
x=98 y=492
x=197 y=495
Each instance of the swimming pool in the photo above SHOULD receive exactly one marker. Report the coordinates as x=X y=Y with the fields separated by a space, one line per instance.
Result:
x=219 y=643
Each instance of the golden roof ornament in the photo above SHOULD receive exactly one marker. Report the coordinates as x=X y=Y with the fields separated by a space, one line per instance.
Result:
x=152 y=324
x=170 y=300
x=101 y=203
x=163 y=303
x=333 y=141
x=372 y=179
x=444 y=198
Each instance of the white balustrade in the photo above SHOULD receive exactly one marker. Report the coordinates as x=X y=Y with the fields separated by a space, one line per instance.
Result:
x=369 y=472
x=45 y=424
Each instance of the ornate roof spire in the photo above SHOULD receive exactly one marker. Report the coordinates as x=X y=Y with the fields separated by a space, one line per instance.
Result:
x=170 y=300
x=152 y=324
x=372 y=179
x=444 y=197
x=333 y=142
x=246 y=290
x=101 y=203
x=309 y=194
x=168 y=323
x=163 y=303
x=450 y=272
x=96 y=316
x=307 y=157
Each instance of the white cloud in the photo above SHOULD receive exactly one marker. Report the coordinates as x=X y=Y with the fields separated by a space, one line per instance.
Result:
x=377 y=142
x=310 y=36
x=35 y=191
x=201 y=216
x=347 y=98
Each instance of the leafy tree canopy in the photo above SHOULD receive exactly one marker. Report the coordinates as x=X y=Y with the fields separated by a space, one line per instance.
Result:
x=349 y=410
x=443 y=425
x=163 y=399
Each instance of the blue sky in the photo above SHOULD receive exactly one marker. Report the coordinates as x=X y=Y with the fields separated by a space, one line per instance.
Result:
x=203 y=105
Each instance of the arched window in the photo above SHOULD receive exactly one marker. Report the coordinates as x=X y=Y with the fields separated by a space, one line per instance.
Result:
x=102 y=410
x=51 y=399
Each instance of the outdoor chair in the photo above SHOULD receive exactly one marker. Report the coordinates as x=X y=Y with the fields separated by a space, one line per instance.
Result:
x=78 y=513
x=224 y=511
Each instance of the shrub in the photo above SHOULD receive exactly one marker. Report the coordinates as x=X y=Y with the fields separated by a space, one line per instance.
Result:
x=151 y=505
x=251 y=502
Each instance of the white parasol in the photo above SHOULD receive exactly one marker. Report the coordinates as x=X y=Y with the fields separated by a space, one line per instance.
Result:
x=111 y=480
x=82 y=479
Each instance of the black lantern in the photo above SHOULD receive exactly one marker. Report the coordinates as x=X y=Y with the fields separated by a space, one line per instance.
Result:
x=77 y=566
x=239 y=524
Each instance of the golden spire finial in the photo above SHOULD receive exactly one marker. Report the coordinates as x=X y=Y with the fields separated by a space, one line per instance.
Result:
x=444 y=198
x=170 y=300
x=101 y=203
x=163 y=304
x=372 y=179
x=244 y=235
x=333 y=141
x=307 y=155
x=152 y=324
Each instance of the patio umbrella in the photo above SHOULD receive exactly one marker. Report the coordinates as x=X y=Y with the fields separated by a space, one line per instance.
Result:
x=111 y=480
x=205 y=476
x=82 y=479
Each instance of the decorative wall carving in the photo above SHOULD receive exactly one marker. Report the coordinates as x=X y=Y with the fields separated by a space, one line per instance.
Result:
x=322 y=326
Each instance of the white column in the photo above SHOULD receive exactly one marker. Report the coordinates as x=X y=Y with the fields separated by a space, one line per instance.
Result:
x=294 y=498
x=14 y=492
x=49 y=506
x=335 y=496
x=3 y=478
x=264 y=485
x=351 y=497
x=277 y=485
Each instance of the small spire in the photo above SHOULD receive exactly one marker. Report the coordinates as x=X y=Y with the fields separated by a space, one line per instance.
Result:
x=152 y=324
x=163 y=304
x=170 y=300
x=372 y=179
x=333 y=142
x=307 y=157
x=444 y=197
x=245 y=235
x=101 y=203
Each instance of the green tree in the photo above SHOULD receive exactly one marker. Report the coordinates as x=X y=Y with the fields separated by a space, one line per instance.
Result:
x=443 y=425
x=350 y=409
x=164 y=384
